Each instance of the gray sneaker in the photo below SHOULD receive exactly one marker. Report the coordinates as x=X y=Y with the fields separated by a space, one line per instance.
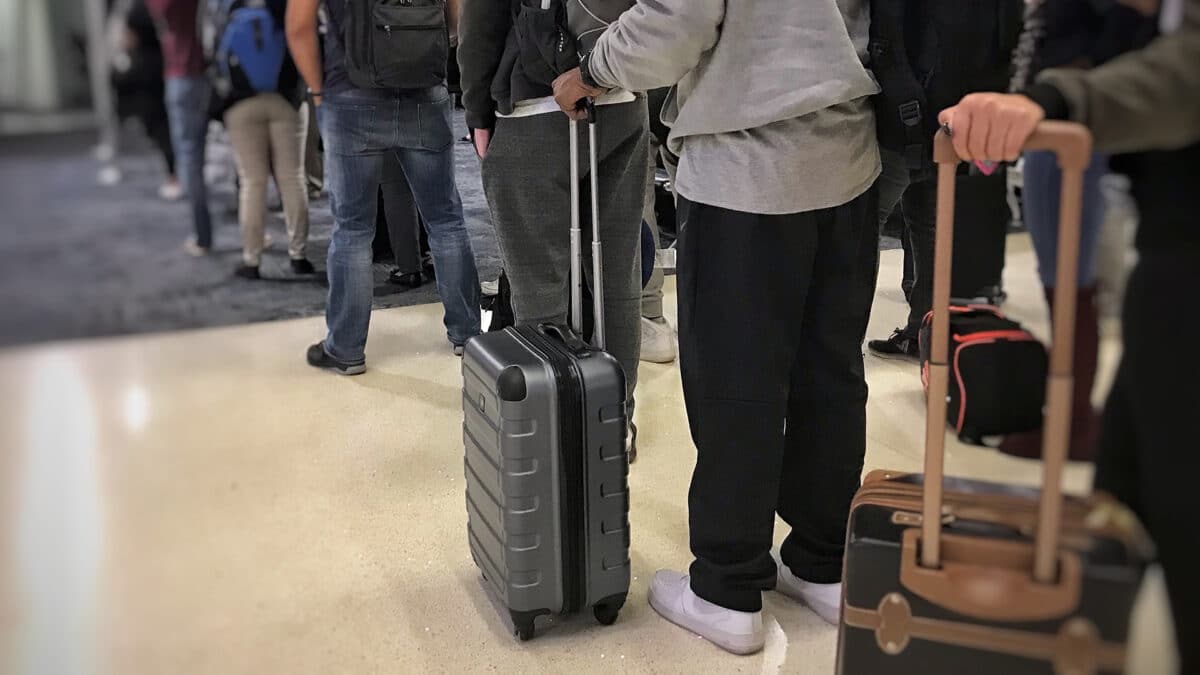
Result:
x=319 y=358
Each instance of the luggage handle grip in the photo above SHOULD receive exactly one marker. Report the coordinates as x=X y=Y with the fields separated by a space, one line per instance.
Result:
x=1072 y=143
x=990 y=579
x=569 y=338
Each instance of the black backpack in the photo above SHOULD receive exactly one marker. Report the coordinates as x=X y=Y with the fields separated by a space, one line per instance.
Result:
x=928 y=54
x=396 y=44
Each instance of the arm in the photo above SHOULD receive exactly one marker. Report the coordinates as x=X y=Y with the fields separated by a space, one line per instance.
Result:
x=1144 y=100
x=652 y=45
x=483 y=31
x=301 y=26
x=655 y=43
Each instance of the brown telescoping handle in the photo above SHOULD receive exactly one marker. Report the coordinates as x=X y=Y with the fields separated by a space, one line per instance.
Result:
x=1072 y=143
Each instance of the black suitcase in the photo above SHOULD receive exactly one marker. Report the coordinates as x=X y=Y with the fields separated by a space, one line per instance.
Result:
x=544 y=428
x=964 y=577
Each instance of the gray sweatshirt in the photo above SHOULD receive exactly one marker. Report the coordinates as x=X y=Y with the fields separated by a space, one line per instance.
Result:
x=771 y=111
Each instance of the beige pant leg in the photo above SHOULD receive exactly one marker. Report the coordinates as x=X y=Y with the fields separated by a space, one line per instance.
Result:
x=287 y=148
x=246 y=123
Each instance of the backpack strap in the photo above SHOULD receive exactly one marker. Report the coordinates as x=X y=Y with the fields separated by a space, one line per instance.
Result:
x=902 y=104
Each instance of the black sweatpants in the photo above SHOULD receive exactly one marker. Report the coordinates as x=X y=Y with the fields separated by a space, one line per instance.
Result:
x=772 y=314
x=1149 y=453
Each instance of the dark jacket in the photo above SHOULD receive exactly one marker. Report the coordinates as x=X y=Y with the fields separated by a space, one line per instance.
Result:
x=488 y=60
x=1088 y=33
x=494 y=74
x=1146 y=103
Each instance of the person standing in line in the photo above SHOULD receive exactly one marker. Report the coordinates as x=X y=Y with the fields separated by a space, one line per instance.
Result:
x=359 y=127
x=187 y=98
x=268 y=139
x=403 y=229
x=779 y=243
x=523 y=143
x=1071 y=34
x=658 y=337
x=1144 y=106
x=137 y=78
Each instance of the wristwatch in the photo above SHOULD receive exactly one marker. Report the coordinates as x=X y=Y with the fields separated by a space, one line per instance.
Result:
x=585 y=72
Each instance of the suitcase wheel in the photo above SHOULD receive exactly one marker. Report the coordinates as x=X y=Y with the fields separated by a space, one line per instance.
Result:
x=523 y=623
x=607 y=610
x=606 y=614
x=524 y=632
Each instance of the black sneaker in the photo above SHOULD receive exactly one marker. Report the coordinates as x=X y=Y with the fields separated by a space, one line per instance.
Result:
x=248 y=272
x=409 y=280
x=319 y=358
x=898 y=346
x=302 y=266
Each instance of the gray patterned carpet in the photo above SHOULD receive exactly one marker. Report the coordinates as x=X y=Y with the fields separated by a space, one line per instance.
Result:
x=81 y=260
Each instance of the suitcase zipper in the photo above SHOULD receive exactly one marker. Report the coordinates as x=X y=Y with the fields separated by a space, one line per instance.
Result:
x=573 y=487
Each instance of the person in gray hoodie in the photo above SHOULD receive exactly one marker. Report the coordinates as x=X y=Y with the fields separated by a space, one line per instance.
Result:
x=778 y=249
x=522 y=141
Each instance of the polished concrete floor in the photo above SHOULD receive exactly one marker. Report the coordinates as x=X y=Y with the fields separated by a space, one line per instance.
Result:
x=203 y=502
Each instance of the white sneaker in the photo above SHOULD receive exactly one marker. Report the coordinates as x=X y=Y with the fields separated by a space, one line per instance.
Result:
x=170 y=191
x=823 y=599
x=195 y=250
x=658 y=341
x=737 y=632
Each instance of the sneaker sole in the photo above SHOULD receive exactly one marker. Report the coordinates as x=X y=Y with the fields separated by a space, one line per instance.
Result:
x=824 y=612
x=343 y=370
x=894 y=357
x=734 y=644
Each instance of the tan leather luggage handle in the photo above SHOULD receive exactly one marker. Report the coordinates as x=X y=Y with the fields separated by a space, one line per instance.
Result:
x=1072 y=143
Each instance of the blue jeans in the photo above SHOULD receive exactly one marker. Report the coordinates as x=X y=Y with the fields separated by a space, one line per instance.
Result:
x=1043 y=182
x=359 y=128
x=187 y=112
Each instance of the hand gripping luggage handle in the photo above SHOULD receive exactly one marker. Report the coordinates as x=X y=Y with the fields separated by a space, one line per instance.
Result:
x=1072 y=143
x=577 y=235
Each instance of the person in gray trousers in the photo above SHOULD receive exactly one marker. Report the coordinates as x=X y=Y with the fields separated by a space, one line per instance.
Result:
x=523 y=142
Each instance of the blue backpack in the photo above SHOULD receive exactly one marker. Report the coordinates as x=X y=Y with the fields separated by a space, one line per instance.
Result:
x=245 y=46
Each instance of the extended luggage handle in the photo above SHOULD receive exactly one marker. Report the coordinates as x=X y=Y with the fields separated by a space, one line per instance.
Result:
x=577 y=234
x=1072 y=143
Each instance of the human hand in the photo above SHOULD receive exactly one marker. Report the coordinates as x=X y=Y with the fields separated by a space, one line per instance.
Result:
x=992 y=127
x=482 y=139
x=569 y=90
x=1143 y=7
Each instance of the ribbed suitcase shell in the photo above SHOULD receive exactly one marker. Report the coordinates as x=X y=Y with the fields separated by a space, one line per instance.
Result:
x=547 y=496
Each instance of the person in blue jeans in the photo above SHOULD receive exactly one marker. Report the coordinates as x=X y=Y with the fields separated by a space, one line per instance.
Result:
x=359 y=127
x=186 y=98
x=1076 y=34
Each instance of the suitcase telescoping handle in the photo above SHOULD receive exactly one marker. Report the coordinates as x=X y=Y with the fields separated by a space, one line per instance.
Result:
x=1072 y=143
x=577 y=235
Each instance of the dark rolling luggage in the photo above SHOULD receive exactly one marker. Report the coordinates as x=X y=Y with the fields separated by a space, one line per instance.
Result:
x=953 y=577
x=544 y=428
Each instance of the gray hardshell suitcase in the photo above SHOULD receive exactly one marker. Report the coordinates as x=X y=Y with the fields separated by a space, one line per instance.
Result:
x=544 y=428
